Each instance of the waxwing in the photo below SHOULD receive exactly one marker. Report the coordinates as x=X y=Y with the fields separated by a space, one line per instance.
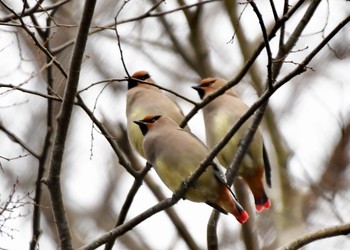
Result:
x=175 y=155
x=219 y=117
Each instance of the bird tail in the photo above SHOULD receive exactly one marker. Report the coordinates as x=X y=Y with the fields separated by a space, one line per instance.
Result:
x=263 y=203
x=228 y=202
x=256 y=185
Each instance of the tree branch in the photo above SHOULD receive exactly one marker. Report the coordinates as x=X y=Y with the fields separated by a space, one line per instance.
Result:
x=129 y=199
x=122 y=160
x=36 y=41
x=47 y=96
x=54 y=176
x=212 y=237
x=147 y=14
x=318 y=235
x=34 y=9
x=46 y=145
x=288 y=46
x=17 y=140
x=270 y=78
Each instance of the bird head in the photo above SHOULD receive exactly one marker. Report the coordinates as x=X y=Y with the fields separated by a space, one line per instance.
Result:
x=139 y=75
x=206 y=86
x=210 y=85
x=146 y=123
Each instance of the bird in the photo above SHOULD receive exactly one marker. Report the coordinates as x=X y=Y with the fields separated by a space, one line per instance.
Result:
x=175 y=155
x=219 y=117
x=144 y=99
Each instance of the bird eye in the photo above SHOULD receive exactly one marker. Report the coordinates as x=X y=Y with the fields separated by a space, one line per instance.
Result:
x=208 y=84
x=155 y=118
x=144 y=77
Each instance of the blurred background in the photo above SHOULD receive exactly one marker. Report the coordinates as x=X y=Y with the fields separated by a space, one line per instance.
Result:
x=306 y=126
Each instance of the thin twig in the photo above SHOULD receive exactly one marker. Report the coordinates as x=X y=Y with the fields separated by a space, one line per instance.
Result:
x=267 y=44
x=167 y=90
x=33 y=10
x=287 y=47
x=274 y=11
x=35 y=22
x=130 y=224
x=36 y=41
x=212 y=237
x=134 y=19
x=118 y=38
x=283 y=28
x=102 y=81
x=122 y=160
x=163 y=13
x=129 y=199
x=14 y=87
x=17 y=140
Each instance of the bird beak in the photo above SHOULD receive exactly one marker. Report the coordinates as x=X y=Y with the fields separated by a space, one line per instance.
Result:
x=140 y=123
x=143 y=126
x=132 y=83
x=200 y=91
x=197 y=87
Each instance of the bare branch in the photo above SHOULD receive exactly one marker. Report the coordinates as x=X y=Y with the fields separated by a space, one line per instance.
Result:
x=36 y=41
x=288 y=46
x=167 y=90
x=100 y=82
x=17 y=140
x=46 y=145
x=274 y=11
x=267 y=45
x=122 y=160
x=129 y=199
x=54 y=179
x=318 y=235
x=14 y=87
x=130 y=224
x=212 y=237
x=35 y=9
x=148 y=14
x=118 y=38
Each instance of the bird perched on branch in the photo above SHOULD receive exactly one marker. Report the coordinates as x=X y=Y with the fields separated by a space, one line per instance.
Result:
x=144 y=99
x=219 y=117
x=175 y=155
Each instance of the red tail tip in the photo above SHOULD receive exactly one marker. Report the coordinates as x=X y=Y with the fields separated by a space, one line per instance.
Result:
x=261 y=207
x=243 y=217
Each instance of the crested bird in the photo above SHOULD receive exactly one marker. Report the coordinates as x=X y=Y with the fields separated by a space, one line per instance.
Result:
x=175 y=155
x=144 y=99
x=219 y=116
